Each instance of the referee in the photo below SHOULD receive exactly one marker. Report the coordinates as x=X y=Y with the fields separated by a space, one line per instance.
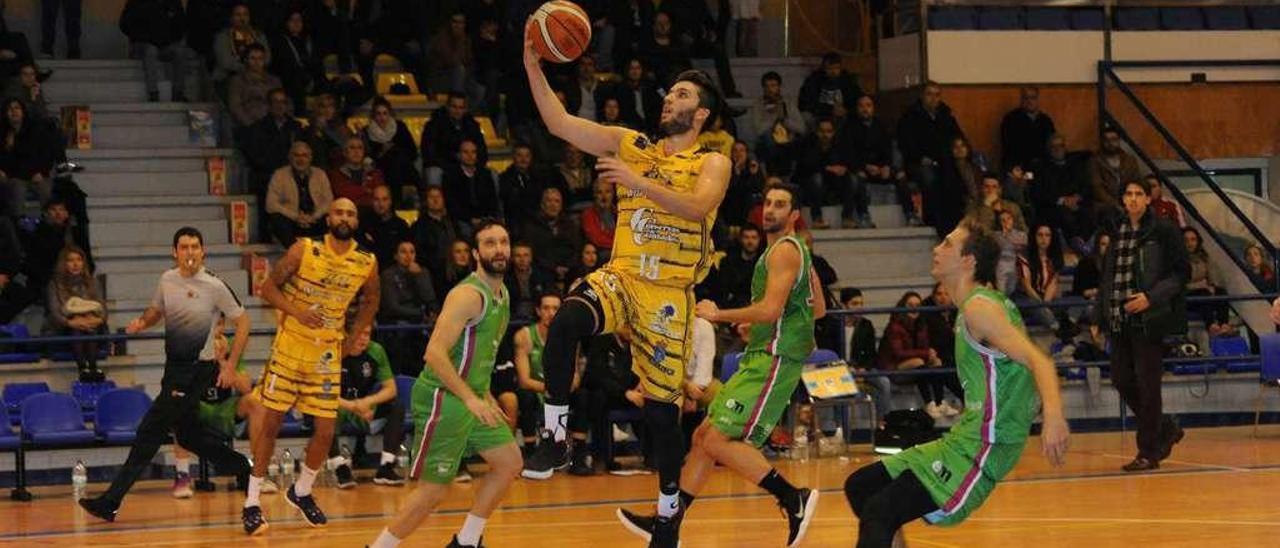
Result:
x=189 y=299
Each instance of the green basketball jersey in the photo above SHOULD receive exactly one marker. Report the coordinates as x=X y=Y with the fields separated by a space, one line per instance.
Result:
x=535 y=353
x=791 y=336
x=474 y=352
x=999 y=393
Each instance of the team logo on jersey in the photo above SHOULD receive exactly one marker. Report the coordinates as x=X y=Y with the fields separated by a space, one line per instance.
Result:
x=326 y=386
x=641 y=142
x=734 y=405
x=336 y=279
x=941 y=471
x=662 y=321
x=646 y=228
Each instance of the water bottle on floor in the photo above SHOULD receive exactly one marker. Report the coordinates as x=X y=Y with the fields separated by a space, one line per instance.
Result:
x=403 y=459
x=79 y=479
x=273 y=470
x=287 y=468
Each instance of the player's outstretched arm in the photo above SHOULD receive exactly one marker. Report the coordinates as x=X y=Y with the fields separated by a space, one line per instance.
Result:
x=461 y=305
x=695 y=206
x=590 y=137
x=986 y=321
x=784 y=266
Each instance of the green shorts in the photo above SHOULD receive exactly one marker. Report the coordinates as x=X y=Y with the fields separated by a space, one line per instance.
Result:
x=749 y=405
x=958 y=473
x=221 y=417
x=446 y=432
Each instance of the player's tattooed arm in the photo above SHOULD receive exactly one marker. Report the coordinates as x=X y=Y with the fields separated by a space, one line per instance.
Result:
x=370 y=298
x=280 y=274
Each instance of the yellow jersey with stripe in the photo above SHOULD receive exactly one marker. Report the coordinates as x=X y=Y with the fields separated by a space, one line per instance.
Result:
x=651 y=243
x=327 y=281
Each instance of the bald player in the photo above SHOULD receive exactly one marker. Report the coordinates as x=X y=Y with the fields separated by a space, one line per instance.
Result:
x=311 y=287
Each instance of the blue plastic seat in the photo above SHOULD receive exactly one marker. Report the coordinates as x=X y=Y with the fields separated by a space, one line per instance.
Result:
x=14 y=353
x=1087 y=19
x=822 y=355
x=16 y=392
x=1002 y=18
x=290 y=426
x=1233 y=346
x=1138 y=19
x=404 y=393
x=953 y=18
x=1264 y=17
x=1226 y=18
x=87 y=393
x=1047 y=19
x=729 y=365
x=54 y=419
x=118 y=415
x=1181 y=18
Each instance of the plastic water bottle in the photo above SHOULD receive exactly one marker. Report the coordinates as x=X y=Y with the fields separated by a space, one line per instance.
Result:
x=345 y=453
x=273 y=470
x=800 y=446
x=288 y=467
x=403 y=458
x=79 y=479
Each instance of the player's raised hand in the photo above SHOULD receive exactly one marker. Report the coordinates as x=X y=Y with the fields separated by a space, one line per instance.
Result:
x=707 y=310
x=483 y=410
x=531 y=58
x=1053 y=440
x=616 y=171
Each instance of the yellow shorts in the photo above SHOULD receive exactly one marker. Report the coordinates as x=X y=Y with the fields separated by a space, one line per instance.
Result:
x=302 y=372
x=659 y=319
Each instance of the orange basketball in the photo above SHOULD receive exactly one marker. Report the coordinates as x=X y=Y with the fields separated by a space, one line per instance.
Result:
x=560 y=31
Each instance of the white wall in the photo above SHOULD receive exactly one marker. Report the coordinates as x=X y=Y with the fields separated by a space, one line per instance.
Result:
x=899 y=62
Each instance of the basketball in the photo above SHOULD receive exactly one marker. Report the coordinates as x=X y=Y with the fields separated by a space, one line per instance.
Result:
x=560 y=31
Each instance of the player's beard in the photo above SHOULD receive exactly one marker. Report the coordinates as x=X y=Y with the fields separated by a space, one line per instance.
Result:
x=342 y=231
x=494 y=266
x=680 y=122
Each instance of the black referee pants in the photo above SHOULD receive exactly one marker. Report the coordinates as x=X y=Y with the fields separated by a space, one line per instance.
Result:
x=174 y=410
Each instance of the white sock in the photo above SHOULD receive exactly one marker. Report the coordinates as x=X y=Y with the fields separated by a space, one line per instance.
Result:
x=302 y=487
x=388 y=458
x=335 y=462
x=472 y=528
x=255 y=489
x=385 y=540
x=183 y=465
x=668 y=505
x=554 y=420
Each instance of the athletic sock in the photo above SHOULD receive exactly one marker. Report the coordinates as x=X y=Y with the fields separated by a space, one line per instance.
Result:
x=388 y=458
x=183 y=465
x=774 y=483
x=302 y=487
x=686 y=499
x=385 y=540
x=668 y=503
x=255 y=489
x=554 y=420
x=471 y=530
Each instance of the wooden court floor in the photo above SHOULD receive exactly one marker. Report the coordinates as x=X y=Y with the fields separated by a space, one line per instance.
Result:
x=1220 y=488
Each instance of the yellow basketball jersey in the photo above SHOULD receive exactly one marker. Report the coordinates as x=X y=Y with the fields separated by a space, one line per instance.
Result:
x=651 y=243
x=327 y=281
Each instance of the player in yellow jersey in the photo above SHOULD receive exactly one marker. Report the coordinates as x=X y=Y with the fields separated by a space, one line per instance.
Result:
x=668 y=192
x=311 y=287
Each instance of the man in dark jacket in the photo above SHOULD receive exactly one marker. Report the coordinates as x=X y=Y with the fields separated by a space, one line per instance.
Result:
x=469 y=186
x=925 y=132
x=526 y=283
x=827 y=87
x=555 y=237
x=520 y=187
x=435 y=231
x=823 y=170
x=266 y=147
x=448 y=127
x=381 y=230
x=1060 y=192
x=1141 y=303
x=637 y=96
x=870 y=147
x=1025 y=132
x=408 y=299
x=14 y=296
x=155 y=29
x=736 y=268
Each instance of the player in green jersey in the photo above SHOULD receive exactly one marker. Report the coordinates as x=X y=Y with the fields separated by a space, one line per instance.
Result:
x=746 y=409
x=1001 y=369
x=454 y=414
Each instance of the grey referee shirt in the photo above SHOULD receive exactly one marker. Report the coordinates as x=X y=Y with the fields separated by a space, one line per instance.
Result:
x=191 y=307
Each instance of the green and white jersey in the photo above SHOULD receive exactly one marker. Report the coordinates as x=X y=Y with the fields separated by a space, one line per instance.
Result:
x=536 y=344
x=791 y=336
x=999 y=393
x=474 y=352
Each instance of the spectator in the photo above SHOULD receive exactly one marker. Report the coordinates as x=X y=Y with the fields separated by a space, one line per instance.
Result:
x=577 y=178
x=956 y=186
x=736 y=268
x=1038 y=273
x=459 y=266
x=247 y=90
x=408 y=298
x=553 y=235
x=26 y=87
x=356 y=178
x=46 y=243
x=1164 y=207
x=14 y=296
x=14 y=50
x=1139 y=311
x=870 y=148
x=828 y=88
x=231 y=45
x=942 y=335
x=632 y=21
x=449 y=57
x=600 y=220
x=339 y=31
x=488 y=68
x=1202 y=283
x=155 y=29
x=638 y=97
x=1085 y=282
x=520 y=187
x=297 y=61
x=718 y=136
x=665 y=54
x=73 y=306
x=1260 y=273
x=266 y=145
x=746 y=19
x=71 y=10
x=705 y=36
x=1025 y=132
x=746 y=187
x=327 y=131
x=926 y=134
x=699 y=384
x=391 y=146
x=448 y=127
x=525 y=282
x=367 y=393
x=857 y=345
x=1012 y=241
x=26 y=157
x=1109 y=170
x=1061 y=195
x=609 y=374
x=381 y=230
x=205 y=18
x=585 y=94
x=298 y=198
x=435 y=231
x=588 y=261
x=470 y=187
x=985 y=210
x=611 y=113
x=905 y=346
x=822 y=170
x=528 y=343
x=773 y=124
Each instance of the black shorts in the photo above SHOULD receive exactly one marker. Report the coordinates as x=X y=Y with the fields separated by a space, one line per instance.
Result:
x=504 y=379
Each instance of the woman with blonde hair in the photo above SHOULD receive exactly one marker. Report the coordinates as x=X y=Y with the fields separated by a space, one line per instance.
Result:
x=74 y=307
